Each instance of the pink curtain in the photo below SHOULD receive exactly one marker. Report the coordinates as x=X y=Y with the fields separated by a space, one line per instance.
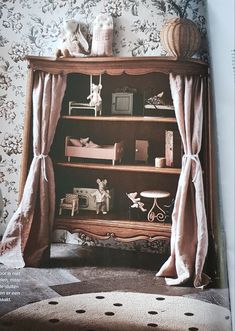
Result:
x=189 y=240
x=26 y=240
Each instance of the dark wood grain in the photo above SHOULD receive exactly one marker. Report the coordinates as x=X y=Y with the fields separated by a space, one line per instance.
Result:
x=120 y=230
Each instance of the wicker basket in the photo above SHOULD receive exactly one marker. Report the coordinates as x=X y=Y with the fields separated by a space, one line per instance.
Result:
x=180 y=37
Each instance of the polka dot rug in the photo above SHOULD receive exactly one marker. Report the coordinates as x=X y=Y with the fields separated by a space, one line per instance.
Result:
x=119 y=311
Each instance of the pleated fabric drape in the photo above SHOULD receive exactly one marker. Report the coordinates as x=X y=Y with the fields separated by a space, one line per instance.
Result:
x=189 y=240
x=27 y=237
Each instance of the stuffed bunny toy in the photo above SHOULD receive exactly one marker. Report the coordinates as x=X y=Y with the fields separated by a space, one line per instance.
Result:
x=73 y=42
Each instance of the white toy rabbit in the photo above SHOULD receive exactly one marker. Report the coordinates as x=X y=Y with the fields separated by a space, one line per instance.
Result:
x=73 y=42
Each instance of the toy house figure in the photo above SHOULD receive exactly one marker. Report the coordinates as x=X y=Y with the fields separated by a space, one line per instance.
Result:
x=101 y=195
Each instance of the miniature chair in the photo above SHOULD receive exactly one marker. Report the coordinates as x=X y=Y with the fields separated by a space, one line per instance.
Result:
x=70 y=202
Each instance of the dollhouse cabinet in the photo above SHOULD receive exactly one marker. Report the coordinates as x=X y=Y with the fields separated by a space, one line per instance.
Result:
x=130 y=174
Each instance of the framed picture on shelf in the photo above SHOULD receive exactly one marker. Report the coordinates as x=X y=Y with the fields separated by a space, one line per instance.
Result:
x=122 y=103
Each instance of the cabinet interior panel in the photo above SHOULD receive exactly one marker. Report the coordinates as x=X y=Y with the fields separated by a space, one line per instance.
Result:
x=78 y=88
x=108 y=133
x=121 y=183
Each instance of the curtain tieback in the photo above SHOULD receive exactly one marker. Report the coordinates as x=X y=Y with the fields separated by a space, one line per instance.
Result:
x=195 y=158
x=43 y=158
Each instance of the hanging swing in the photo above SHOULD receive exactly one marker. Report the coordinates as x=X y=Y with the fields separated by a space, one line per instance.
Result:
x=95 y=99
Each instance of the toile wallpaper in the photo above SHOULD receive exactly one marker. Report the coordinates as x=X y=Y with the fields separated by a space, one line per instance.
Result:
x=33 y=27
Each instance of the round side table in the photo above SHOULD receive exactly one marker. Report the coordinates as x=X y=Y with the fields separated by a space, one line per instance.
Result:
x=160 y=216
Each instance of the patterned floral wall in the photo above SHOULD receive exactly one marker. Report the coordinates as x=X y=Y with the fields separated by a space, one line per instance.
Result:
x=33 y=27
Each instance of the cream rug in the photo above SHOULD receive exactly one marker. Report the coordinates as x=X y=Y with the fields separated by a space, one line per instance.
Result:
x=119 y=311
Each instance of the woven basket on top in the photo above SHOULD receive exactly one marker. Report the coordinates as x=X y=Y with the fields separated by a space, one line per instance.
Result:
x=180 y=37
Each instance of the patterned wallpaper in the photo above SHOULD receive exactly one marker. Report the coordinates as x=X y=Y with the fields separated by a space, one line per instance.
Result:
x=33 y=27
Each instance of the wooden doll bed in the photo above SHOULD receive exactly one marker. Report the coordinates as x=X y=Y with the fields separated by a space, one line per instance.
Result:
x=102 y=152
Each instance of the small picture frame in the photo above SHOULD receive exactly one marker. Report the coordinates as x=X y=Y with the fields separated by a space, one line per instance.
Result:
x=122 y=103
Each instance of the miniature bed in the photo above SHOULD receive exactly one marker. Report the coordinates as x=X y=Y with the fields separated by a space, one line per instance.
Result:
x=102 y=152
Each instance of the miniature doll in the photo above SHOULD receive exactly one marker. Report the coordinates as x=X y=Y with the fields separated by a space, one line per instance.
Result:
x=95 y=98
x=136 y=201
x=88 y=143
x=101 y=195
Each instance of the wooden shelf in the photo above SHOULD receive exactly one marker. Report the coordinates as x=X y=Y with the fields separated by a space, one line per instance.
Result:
x=135 y=65
x=111 y=216
x=121 y=167
x=120 y=230
x=121 y=118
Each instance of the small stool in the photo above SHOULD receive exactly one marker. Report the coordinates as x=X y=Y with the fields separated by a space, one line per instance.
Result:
x=155 y=194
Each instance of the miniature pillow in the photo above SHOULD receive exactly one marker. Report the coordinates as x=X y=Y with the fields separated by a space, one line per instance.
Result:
x=75 y=142
x=90 y=144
